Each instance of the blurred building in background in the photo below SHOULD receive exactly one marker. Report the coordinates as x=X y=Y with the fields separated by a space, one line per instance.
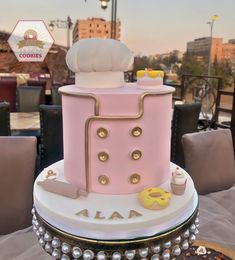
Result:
x=223 y=52
x=94 y=28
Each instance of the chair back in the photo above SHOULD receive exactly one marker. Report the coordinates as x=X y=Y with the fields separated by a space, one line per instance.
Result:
x=39 y=83
x=17 y=165
x=51 y=128
x=8 y=78
x=209 y=159
x=185 y=120
x=5 y=119
x=28 y=98
x=8 y=92
x=69 y=81
x=55 y=96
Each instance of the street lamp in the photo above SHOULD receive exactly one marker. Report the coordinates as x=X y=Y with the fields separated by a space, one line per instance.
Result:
x=104 y=5
x=211 y=23
x=64 y=24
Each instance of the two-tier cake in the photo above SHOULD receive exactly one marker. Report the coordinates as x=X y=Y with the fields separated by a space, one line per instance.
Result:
x=115 y=195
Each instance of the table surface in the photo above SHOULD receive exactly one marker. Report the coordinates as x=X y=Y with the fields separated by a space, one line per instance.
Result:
x=25 y=121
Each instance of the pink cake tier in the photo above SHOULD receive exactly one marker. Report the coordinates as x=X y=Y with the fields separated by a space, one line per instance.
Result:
x=116 y=140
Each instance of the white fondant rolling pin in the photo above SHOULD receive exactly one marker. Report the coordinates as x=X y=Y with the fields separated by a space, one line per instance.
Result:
x=61 y=188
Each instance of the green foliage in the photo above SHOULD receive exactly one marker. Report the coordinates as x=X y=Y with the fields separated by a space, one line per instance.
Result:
x=190 y=65
x=140 y=63
x=223 y=70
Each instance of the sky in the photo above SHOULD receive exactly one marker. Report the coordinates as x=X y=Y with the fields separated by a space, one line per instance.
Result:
x=147 y=26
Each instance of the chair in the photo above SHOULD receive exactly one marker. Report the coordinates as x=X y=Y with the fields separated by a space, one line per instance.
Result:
x=13 y=78
x=69 y=81
x=55 y=96
x=28 y=98
x=209 y=159
x=5 y=119
x=185 y=120
x=51 y=148
x=39 y=83
x=8 y=92
x=17 y=164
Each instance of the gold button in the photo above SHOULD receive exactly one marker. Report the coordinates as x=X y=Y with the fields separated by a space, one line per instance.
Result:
x=102 y=132
x=103 y=156
x=137 y=131
x=103 y=180
x=136 y=155
x=135 y=178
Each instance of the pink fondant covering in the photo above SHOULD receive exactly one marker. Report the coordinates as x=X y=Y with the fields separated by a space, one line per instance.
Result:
x=119 y=111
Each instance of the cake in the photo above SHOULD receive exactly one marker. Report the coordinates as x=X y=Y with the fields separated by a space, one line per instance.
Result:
x=178 y=182
x=111 y=197
x=149 y=78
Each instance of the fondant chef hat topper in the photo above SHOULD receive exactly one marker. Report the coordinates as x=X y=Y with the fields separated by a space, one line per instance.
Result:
x=99 y=63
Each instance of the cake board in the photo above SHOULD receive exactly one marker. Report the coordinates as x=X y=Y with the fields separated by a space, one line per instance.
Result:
x=78 y=232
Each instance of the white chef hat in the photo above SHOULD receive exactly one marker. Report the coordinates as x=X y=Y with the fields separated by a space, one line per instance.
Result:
x=99 y=63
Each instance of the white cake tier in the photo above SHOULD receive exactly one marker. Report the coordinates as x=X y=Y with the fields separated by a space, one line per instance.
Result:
x=90 y=216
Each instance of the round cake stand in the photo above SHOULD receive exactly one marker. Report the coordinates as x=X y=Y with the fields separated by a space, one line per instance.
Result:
x=167 y=245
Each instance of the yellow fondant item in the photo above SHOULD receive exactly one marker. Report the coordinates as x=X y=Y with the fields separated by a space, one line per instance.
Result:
x=154 y=198
x=151 y=73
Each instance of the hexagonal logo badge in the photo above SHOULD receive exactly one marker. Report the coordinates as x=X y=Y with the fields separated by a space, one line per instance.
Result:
x=30 y=41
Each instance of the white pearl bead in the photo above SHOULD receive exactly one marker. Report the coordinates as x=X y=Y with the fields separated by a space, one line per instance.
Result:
x=116 y=256
x=36 y=224
x=37 y=233
x=192 y=238
x=56 y=253
x=185 y=245
x=186 y=234
x=88 y=255
x=47 y=236
x=196 y=232
x=41 y=242
x=34 y=217
x=192 y=228
x=167 y=244
x=48 y=248
x=176 y=250
x=130 y=254
x=166 y=255
x=156 y=249
x=65 y=257
x=101 y=255
x=143 y=252
x=155 y=257
x=77 y=252
x=55 y=242
x=41 y=230
x=34 y=228
x=65 y=248
x=177 y=240
x=196 y=221
x=33 y=211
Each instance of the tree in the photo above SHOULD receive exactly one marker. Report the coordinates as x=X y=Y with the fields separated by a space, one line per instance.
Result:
x=223 y=70
x=141 y=63
x=190 y=65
